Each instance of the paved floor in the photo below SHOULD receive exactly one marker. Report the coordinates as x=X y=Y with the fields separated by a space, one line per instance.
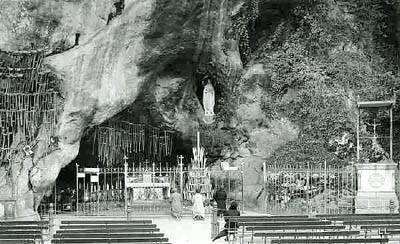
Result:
x=186 y=231
x=178 y=232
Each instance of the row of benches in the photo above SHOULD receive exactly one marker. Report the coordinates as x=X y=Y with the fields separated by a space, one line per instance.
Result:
x=319 y=229
x=19 y=232
x=281 y=229
x=108 y=231
x=89 y=231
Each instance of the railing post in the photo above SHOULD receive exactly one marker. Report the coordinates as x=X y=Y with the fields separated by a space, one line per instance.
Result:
x=128 y=212
x=125 y=181
x=77 y=189
x=181 y=174
x=214 y=220
x=51 y=221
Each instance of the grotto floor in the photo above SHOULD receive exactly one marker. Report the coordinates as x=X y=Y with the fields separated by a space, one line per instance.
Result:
x=179 y=232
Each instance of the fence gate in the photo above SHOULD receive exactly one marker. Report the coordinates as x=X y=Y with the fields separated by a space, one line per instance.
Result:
x=306 y=189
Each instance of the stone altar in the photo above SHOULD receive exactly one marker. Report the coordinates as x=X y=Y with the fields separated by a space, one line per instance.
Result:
x=376 y=188
x=148 y=188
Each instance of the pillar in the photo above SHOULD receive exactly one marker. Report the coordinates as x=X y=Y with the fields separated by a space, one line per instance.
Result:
x=51 y=220
x=214 y=220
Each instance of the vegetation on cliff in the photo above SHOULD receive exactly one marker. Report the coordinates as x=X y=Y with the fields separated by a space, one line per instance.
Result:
x=320 y=57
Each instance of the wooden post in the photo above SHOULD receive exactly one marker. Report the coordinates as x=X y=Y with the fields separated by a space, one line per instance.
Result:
x=214 y=220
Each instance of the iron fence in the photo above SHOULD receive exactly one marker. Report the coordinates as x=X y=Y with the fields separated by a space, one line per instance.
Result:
x=232 y=182
x=307 y=189
x=145 y=190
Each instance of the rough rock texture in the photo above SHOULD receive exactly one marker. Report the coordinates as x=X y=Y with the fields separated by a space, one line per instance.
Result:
x=115 y=63
x=259 y=136
x=301 y=74
x=23 y=21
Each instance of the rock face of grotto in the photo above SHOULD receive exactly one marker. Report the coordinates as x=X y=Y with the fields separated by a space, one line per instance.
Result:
x=284 y=72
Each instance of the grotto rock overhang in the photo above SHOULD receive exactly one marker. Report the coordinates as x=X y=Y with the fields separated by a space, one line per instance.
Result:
x=103 y=76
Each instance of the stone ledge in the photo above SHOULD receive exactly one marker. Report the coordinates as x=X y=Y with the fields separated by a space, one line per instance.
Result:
x=376 y=166
x=378 y=202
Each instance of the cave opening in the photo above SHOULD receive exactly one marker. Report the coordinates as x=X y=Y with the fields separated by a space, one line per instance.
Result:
x=89 y=156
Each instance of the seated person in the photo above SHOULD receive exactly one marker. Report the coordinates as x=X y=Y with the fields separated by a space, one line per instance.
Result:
x=231 y=225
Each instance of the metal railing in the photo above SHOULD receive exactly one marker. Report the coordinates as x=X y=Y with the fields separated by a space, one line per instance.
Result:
x=307 y=189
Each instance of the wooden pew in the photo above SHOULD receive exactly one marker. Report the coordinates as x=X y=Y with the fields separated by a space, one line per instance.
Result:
x=358 y=216
x=297 y=223
x=283 y=228
x=23 y=227
x=274 y=218
x=281 y=235
x=337 y=241
x=352 y=219
x=248 y=223
x=380 y=226
x=100 y=227
x=356 y=223
x=296 y=227
x=19 y=232
x=109 y=235
x=28 y=222
x=306 y=234
x=119 y=230
x=22 y=231
x=106 y=222
x=108 y=231
x=16 y=241
x=372 y=222
x=382 y=230
x=159 y=240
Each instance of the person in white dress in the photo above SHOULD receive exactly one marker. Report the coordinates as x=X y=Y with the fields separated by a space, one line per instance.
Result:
x=198 y=206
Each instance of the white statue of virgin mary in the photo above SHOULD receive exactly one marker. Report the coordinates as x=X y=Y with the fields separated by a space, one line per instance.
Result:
x=208 y=99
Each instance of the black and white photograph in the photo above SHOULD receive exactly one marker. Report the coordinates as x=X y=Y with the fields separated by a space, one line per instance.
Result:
x=199 y=121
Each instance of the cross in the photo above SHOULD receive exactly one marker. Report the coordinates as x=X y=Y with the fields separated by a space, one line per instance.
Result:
x=374 y=126
x=181 y=158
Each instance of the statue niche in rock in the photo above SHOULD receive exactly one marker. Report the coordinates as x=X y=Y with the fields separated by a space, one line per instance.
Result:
x=208 y=103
